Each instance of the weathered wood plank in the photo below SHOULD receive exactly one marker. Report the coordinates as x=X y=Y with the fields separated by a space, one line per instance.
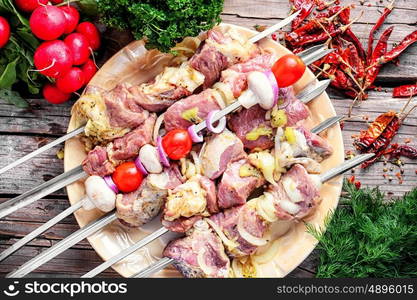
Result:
x=41 y=118
x=404 y=12
x=38 y=170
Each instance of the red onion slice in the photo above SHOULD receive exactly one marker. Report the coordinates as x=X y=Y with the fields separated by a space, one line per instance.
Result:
x=209 y=122
x=109 y=181
x=140 y=166
x=162 y=155
x=274 y=85
x=196 y=137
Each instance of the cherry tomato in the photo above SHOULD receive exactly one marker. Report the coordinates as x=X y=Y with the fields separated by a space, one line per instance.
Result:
x=177 y=143
x=288 y=70
x=127 y=177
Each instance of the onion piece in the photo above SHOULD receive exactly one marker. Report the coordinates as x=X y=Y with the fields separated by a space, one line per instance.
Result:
x=109 y=181
x=196 y=137
x=249 y=237
x=268 y=254
x=209 y=122
x=265 y=207
x=202 y=263
x=140 y=166
x=197 y=162
x=162 y=155
x=265 y=88
x=227 y=242
x=158 y=124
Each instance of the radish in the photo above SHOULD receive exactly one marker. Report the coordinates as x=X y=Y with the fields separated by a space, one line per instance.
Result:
x=71 y=81
x=29 y=5
x=90 y=31
x=48 y=22
x=79 y=47
x=4 y=32
x=72 y=16
x=53 y=58
x=54 y=95
x=89 y=69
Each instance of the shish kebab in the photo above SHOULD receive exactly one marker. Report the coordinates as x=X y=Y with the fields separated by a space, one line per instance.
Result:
x=81 y=129
x=190 y=257
x=309 y=93
x=37 y=193
x=102 y=222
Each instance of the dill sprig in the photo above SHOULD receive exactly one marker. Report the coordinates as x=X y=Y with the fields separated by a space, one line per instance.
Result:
x=368 y=236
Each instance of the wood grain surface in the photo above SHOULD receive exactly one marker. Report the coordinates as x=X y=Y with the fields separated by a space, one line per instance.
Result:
x=22 y=131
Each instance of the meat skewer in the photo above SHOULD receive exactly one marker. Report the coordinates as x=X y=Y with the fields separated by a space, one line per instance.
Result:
x=86 y=231
x=81 y=129
x=192 y=271
x=53 y=185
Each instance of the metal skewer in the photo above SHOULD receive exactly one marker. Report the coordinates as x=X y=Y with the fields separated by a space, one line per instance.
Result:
x=339 y=170
x=314 y=90
x=108 y=263
x=79 y=130
x=309 y=56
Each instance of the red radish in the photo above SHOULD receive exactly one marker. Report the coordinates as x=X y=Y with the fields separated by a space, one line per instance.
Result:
x=71 y=81
x=29 y=5
x=4 y=32
x=48 y=22
x=89 y=69
x=79 y=47
x=91 y=33
x=54 y=95
x=53 y=58
x=72 y=16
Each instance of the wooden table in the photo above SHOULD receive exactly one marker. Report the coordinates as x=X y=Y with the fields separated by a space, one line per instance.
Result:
x=23 y=131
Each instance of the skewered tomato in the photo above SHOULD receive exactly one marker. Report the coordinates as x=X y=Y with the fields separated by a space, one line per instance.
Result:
x=288 y=70
x=4 y=32
x=177 y=143
x=127 y=177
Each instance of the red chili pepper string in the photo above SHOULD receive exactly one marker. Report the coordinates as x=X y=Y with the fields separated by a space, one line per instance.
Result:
x=378 y=24
x=405 y=91
x=306 y=7
x=401 y=150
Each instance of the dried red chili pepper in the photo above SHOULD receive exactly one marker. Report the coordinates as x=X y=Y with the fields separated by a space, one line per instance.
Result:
x=378 y=24
x=380 y=50
x=401 y=150
x=396 y=51
x=374 y=131
x=306 y=7
x=351 y=37
x=405 y=91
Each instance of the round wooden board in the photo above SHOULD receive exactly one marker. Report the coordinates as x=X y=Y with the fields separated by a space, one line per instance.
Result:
x=134 y=64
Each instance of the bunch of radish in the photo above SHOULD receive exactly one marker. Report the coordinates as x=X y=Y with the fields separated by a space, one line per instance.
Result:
x=65 y=56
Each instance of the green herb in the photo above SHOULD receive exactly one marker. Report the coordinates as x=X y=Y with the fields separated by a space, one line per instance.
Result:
x=16 y=58
x=162 y=22
x=369 y=237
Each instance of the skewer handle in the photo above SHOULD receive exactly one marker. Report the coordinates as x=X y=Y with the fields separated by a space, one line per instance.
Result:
x=42 y=149
x=60 y=247
x=154 y=268
x=153 y=236
x=23 y=241
x=347 y=165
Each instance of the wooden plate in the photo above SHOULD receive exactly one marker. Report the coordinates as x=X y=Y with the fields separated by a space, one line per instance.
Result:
x=134 y=64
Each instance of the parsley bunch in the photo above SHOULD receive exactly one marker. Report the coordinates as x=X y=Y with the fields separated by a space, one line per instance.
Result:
x=162 y=22
x=369 y=237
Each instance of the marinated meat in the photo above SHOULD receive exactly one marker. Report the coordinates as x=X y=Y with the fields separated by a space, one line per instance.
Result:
x=295 y=110
x=235 y=186
x=200 y=254
x=128 y=146
x=122 y=109
x=180 y=225
x=252 y=120
x=141 y=206
x=97 y=162
x=228 y=222
x=296 y=195
x=211 y=195
x=197 y=106
x=220 y=150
